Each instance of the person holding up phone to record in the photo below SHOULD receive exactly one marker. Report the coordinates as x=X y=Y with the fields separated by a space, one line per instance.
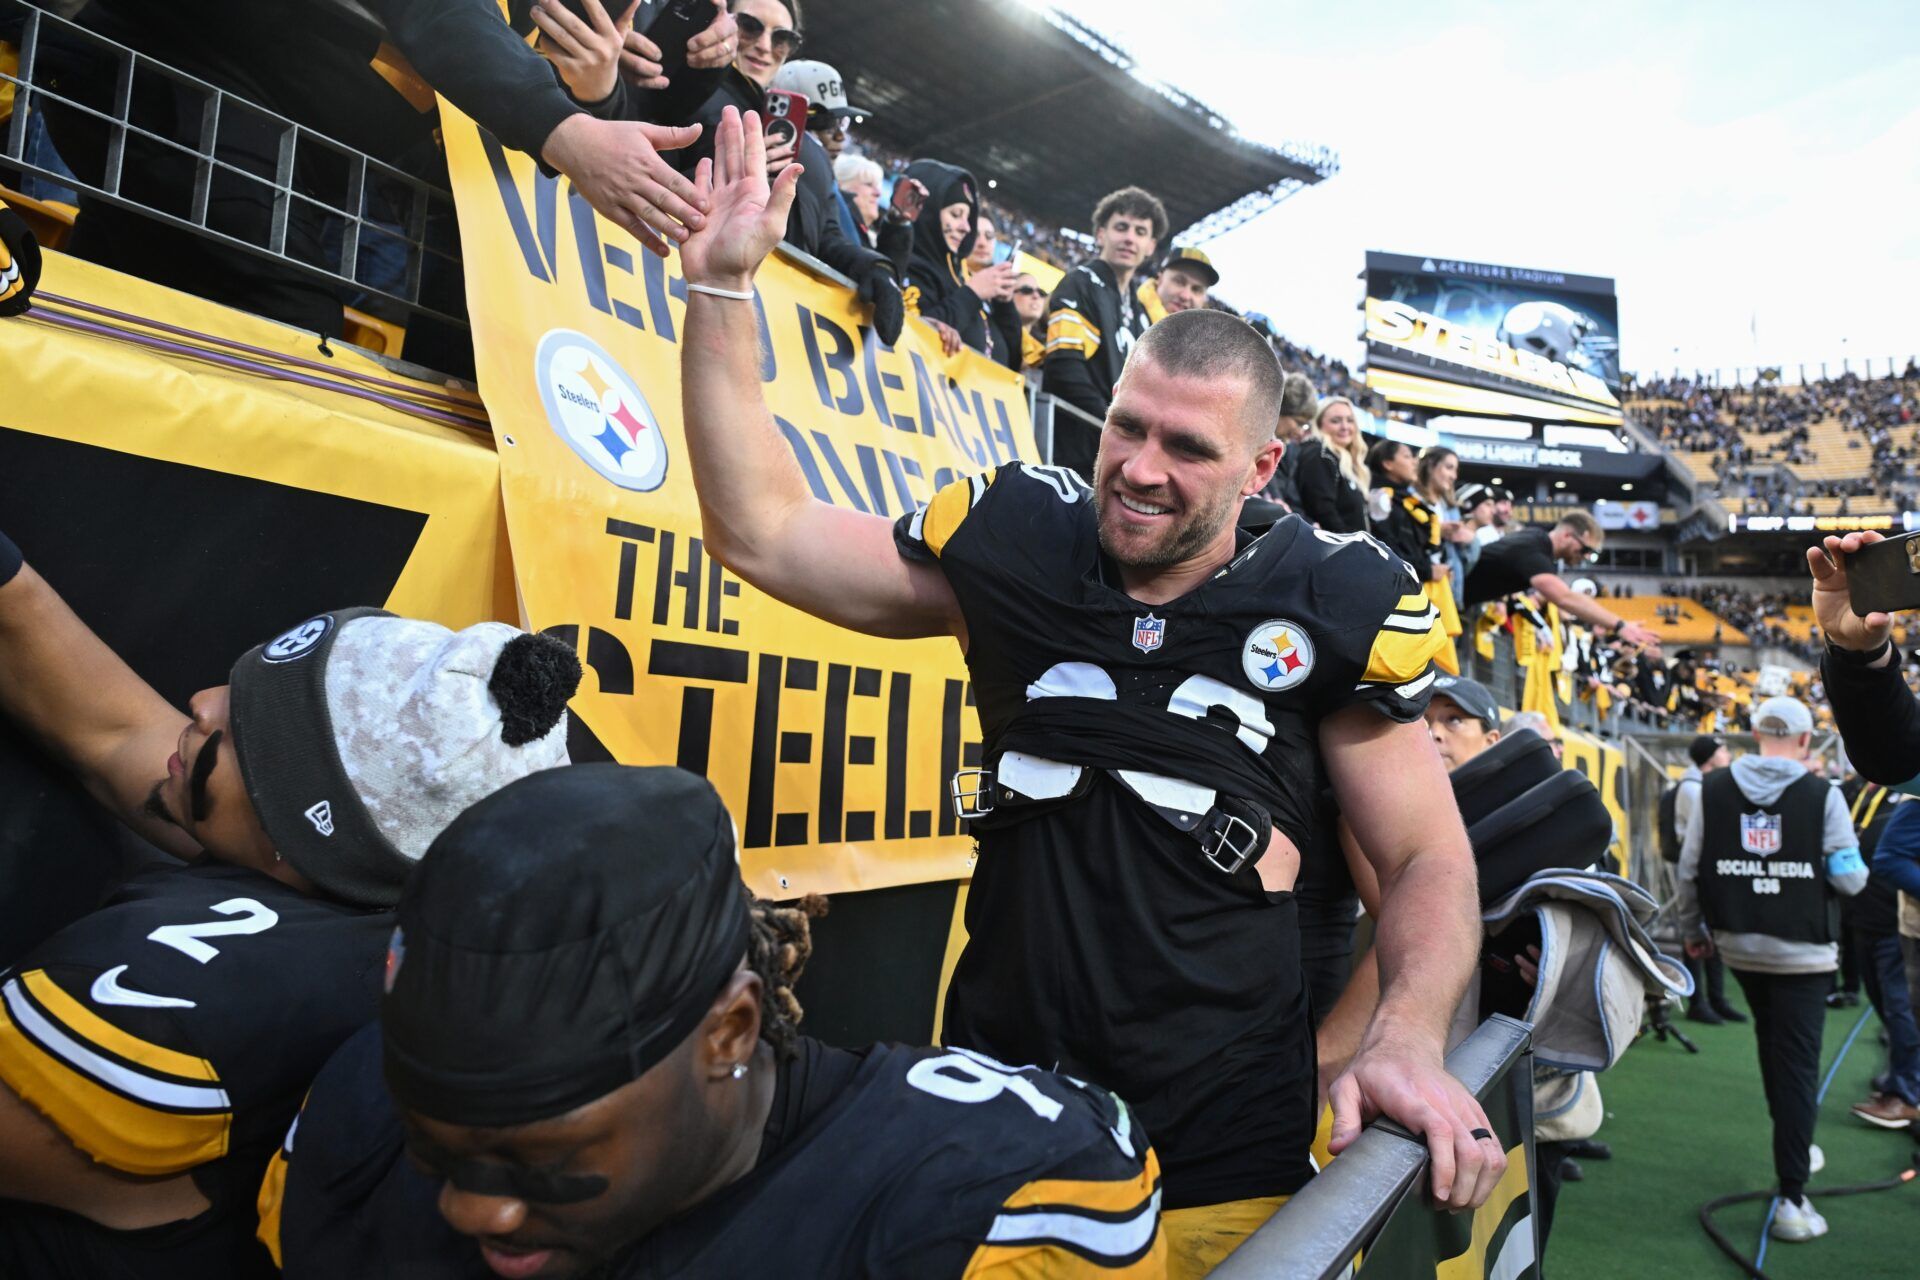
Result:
x=1859 y=582
x=663 y=75
x=770 y=32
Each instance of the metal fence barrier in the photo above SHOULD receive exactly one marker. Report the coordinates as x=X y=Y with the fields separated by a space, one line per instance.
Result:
x=1373 y=1191
x=346 y=200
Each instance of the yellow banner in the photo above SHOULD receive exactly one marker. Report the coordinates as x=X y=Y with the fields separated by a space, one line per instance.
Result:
x=355 y=479
x=831 y=749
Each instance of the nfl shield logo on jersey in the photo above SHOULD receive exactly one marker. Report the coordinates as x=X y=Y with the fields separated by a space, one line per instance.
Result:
x=1760 y=832
x=1148 y=632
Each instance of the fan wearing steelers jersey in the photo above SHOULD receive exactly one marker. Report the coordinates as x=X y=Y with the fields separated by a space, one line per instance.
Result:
x=1151 y=691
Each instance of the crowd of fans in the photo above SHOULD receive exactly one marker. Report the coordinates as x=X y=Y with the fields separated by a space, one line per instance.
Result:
x=1759 y=435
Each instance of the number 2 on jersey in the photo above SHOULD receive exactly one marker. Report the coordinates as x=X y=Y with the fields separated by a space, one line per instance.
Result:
x=257 y=918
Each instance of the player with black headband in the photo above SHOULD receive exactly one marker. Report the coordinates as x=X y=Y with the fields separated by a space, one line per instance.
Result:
x=590 y=1066
x=153 y=1051
x=1161 y=701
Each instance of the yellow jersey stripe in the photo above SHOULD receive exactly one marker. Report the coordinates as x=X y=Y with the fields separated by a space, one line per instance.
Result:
x=1064 y=321
x=116 y=1130
x=84 y=1023
x=943 y=516
x=1054 y=1262
x=1399 y=656
x=1103 y=1197
x=273 y=1194
x=1100 y=1246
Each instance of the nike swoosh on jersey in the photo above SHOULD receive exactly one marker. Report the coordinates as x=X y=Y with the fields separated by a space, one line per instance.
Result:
x=107 y=990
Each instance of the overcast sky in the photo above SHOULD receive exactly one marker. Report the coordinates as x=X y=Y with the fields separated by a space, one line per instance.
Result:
x=1735 y=167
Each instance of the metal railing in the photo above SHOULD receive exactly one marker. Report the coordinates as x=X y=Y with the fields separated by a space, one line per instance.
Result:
x=1048 y=413
x=1353 y=1200
x=348 y=196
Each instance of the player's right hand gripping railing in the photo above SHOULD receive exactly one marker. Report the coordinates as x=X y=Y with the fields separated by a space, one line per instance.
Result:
x=1372 y=1200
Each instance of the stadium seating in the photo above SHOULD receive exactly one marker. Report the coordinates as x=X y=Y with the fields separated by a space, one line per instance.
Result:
x=1678 y=620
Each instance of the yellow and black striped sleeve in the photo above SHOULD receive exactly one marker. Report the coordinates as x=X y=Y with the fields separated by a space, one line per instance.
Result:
x=1399 y=667
x=130 y=1102
x=1074 y=1227
x=1069 y=329
x=922 y=535
x=273 y=1194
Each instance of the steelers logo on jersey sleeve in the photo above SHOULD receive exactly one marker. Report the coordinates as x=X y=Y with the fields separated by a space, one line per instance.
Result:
x=1278 y=655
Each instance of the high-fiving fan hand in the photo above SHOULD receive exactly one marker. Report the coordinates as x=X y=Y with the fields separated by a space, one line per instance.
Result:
x=747 y=216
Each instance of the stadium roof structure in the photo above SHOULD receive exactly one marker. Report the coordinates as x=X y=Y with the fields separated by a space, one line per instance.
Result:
x=1051 y=110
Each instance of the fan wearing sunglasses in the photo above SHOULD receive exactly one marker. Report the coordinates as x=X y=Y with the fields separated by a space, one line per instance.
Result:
x=1030 y=301
x=768 y=32
x=1530 y=559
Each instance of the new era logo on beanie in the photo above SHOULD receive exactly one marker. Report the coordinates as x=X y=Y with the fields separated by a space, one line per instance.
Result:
x=361 y=735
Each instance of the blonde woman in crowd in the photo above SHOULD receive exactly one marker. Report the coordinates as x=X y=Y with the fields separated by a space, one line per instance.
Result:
x=1333 y=475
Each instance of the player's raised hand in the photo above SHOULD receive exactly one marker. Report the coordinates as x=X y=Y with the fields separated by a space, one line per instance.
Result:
x=746 y=216
x=1831 y=607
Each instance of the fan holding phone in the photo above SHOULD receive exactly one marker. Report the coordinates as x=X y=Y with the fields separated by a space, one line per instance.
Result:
x=1859 y=582
x=618 y=72
x=769 y=35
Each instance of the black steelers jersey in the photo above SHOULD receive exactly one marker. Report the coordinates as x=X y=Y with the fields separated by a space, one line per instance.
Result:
x=1101 y=942
x=176 y=1028
x=1297 y=626
x=887 y=1162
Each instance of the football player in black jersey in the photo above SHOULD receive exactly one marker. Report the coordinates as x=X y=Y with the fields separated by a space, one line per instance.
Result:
x=1157 y=699
x=153 y=1051
x=590 y=1065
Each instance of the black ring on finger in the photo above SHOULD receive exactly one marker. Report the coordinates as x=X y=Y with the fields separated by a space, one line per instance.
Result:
x=1481 y=1135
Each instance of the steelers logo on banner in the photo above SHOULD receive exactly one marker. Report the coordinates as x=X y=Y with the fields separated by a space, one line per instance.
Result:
x=595 y=407
x=1278 y=655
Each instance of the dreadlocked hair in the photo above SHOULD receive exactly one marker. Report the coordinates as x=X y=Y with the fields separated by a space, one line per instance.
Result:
x=778 y=945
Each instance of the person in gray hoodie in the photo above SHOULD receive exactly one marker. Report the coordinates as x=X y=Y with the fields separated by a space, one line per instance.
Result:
x=1767 y=852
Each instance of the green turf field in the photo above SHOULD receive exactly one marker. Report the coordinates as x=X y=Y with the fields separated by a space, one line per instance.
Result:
x=1687 y=1128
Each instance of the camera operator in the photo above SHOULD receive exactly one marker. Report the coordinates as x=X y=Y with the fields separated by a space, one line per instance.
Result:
x=1766 y=851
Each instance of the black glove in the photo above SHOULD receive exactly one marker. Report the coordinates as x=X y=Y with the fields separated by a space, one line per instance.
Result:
x=19 y=263
x=878 y=290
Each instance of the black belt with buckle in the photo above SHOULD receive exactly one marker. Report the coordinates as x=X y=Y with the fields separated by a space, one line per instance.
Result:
x=1232 y=834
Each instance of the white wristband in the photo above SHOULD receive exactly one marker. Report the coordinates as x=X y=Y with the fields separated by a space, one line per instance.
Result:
x=736 y=295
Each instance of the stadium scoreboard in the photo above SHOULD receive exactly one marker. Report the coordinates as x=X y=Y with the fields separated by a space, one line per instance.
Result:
x=1478 y=338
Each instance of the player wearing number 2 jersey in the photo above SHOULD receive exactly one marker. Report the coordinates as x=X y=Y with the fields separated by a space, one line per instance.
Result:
x=153 y=1051
x=589 y=1055
x=1158 y=702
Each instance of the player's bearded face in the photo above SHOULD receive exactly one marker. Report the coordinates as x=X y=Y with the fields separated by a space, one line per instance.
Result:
x=1172 y=463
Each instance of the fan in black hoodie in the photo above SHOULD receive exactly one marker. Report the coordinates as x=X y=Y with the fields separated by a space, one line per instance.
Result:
x=937 y=275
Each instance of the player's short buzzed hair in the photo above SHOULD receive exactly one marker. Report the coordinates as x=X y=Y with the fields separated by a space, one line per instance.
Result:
x=1212 y=345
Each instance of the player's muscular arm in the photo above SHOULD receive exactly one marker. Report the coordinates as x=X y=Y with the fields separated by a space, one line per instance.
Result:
x=757 y=514
x=1394 y=792
x=60 y=683
x=39 y=1165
